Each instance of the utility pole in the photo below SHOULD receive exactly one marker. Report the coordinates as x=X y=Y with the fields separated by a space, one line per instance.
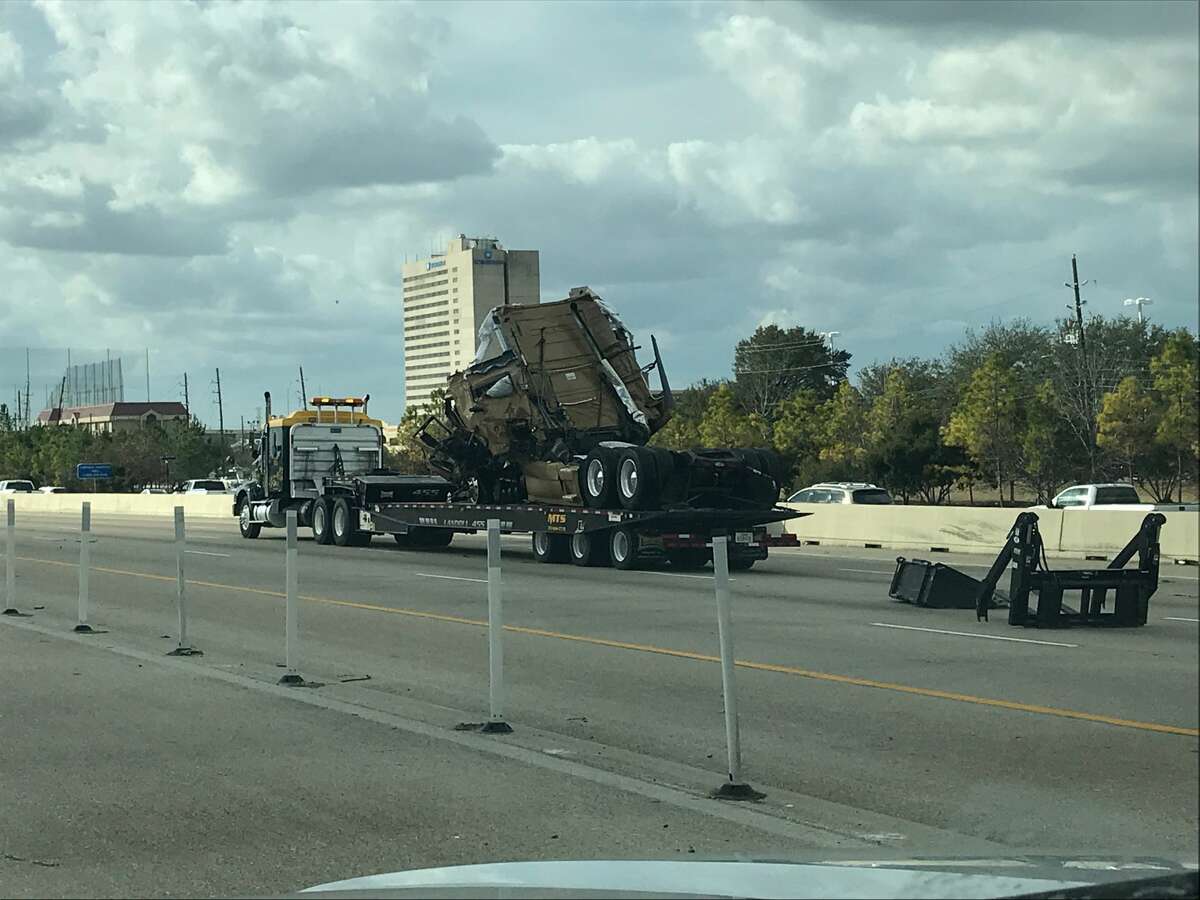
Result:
x=187 y=406
x=147 y=374
x=303 y=390
x=220 y=415
x=26 y=420
x=1078 y=306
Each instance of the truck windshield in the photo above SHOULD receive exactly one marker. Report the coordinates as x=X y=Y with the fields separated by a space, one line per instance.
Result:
x=1119 y=494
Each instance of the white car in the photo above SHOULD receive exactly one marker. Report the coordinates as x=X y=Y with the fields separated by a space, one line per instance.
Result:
x=858 y=492
x=51 y=489
x=16 y=486
x=204 y=486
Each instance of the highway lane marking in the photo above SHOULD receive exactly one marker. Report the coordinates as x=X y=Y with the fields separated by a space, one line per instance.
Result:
x=868 y=571
x=990 y=637
x=1054 y=711
x=1180 y=619
x=451 y=577
x=207 y=553
x=678 y=574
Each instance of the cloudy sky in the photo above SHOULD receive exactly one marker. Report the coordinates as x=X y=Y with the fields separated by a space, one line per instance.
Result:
x=238 y=185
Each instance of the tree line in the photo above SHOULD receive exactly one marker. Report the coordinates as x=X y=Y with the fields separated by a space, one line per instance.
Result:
x=1014 y=405
x=48 y=454
x=1012 y=408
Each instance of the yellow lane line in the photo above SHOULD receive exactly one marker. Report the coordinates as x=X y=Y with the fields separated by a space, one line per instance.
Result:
x=1058 y=712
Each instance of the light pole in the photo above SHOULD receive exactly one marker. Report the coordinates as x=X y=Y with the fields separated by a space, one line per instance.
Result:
x=1139 y=302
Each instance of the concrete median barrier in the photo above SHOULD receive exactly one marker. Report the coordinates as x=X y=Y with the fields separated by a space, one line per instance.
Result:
x=1067 y=533
x=202 y=506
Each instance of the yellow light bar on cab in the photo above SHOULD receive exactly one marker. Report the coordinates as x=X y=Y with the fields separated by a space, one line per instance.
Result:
x=337 y=401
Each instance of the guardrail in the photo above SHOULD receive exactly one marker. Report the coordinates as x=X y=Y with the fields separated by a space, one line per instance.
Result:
x=1076 y=533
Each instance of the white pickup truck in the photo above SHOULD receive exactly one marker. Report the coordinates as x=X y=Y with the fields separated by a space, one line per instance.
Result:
x=1111 y=496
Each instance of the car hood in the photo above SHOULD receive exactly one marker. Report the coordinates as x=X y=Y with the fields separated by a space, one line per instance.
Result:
x=863 y=877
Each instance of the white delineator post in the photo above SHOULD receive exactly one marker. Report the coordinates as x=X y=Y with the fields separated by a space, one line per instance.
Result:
x=495 y=723
x=735 y=788
x=291 y=625
x=183 y=648
x=85 y=557
x=10 y=560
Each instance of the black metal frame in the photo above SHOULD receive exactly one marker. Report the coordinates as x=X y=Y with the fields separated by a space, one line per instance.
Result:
x=1133 y=587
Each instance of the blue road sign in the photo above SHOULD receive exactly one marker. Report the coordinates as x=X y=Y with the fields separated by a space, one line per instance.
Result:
x=93 y=470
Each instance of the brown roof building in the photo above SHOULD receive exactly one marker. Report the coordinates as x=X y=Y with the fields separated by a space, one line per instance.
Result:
x=120 y=416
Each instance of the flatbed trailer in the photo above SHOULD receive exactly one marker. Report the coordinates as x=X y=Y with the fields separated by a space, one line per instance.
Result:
x=586 y=536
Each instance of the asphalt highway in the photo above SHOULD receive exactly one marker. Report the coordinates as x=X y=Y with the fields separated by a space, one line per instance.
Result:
x=874 y=721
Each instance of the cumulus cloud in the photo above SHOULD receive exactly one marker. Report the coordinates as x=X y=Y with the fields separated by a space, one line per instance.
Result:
x=206 y=178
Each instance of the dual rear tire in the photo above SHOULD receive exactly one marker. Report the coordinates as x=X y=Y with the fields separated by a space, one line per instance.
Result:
x=630 y=477
x=334 y=522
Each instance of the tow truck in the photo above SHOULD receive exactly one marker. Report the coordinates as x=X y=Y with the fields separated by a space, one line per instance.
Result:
x=326 y=463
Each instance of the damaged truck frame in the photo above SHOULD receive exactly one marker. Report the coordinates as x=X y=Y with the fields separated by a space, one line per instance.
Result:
x=547 y=431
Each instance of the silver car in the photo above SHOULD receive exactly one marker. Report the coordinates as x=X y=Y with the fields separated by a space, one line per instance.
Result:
x=856 y=492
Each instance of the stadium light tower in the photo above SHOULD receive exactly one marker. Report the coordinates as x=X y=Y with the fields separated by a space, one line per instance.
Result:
x=1139 y=302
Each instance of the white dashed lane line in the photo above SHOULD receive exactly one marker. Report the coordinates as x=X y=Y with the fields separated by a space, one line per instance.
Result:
x=988 y=637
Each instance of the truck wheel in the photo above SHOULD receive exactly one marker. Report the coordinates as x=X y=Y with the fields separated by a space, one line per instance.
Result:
x=637 y=478
x=588 y=549
x=597 y=477
x=320 y=521
x=249 y=530
x=741 y=563
x=343 y=524
x=550 y=548
x=688 y=560
x=623 y=548
x=664 y=468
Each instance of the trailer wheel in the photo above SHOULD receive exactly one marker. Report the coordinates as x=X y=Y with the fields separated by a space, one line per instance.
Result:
x=637 y=478
x=249 y=530
x=550 y=548
x=343 y=522
x=597 y=477
x=320 y=521
x=623 y=548
x=588 y=548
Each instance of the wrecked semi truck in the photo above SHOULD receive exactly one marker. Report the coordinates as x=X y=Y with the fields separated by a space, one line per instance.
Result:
x=555 y=409
x=547 y=430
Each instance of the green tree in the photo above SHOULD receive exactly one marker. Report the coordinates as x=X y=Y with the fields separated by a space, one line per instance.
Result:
x=1127 y=423
x=985 y=422
x=773 y=363
x=682 y=430
x=725 y=424
x=798 y=434
x=845 y=421
x=1048 y=453
x=1175 y=372
x=903 y=442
